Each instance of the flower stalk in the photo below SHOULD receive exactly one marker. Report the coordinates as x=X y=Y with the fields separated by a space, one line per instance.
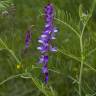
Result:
x=46 y=38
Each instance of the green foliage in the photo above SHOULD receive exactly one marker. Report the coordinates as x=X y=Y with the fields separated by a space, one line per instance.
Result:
x=71 y=70
x=4 y=4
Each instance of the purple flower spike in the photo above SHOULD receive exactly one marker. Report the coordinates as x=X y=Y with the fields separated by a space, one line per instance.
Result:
x=46 y=38
x=27 y=39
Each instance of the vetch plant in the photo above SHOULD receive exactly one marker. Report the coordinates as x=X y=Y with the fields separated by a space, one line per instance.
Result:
x=27 y=39
x=46 y=38
x=73 y=64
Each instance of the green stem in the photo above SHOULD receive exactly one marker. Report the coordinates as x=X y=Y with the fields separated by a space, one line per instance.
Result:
x=76 y=58
x=82 y=54
x=69 y=26
x=81 y=67
x=11 y=52
x=10 y=78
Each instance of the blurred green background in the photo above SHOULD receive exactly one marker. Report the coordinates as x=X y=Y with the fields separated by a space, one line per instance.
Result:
x=16 y=16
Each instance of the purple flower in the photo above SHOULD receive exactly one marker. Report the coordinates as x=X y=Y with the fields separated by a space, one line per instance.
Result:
x=27 y=39
x=46 y=78
x=43 y=59
x=53 y=49
x=45 y=72
x=46 y=38
x=45 y=69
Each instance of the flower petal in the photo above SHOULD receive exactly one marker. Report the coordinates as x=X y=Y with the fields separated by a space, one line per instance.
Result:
x=43 y=36
x=55 y=30
x=39 y=48
x=43 y=59
x=40 y=41
x=53 y=49
x=44 y=69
